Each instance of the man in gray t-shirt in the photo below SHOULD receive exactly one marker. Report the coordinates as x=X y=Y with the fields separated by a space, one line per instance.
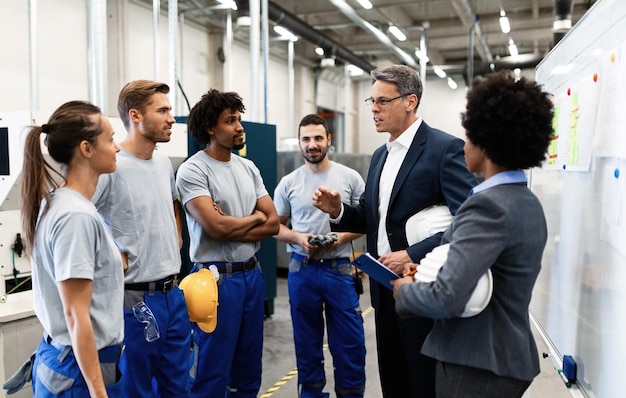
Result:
x=321 y=278
x=139 y=204
x=228 y=213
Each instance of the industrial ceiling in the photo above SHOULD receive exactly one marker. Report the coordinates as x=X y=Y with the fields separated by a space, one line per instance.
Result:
x=444 y=28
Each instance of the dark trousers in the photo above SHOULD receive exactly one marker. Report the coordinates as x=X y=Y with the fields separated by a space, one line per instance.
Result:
x=404 y=371
x=463 y=381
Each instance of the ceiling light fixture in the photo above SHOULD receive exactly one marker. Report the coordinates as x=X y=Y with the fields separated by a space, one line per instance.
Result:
x=319 y=51
x=229 y=3
x=327 y=62
x=354 y=70
x=421 y=55
x=243 y=13
x=513 y=48
x=365 y=4
x=452 y=84
x=439 y=72
x=244 y=20
x=284 y=33
x=504 y=22
x=397 y=32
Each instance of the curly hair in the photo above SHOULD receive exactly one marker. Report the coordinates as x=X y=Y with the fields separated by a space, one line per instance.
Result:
x=205 y=114
x=509 y=119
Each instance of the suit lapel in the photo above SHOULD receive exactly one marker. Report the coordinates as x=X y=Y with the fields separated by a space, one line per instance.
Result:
x=415 y=151
x=377 y=170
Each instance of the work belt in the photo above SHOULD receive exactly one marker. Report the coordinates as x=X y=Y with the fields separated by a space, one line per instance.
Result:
x=229 y=267
x=332 y=262
x=163 y=285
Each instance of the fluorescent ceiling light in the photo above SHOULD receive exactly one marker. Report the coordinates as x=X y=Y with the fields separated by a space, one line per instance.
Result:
x=452 y=84
x=244 y=20
x=319 y=51
x=421 y=55
x=285 y=33
x=504 y=22
x=439 y=72
x=561 y=25
x=513 y=48
x=397 y=32
x=365 y=4
x=327 y=62
x=229 y=3
x=354 y=70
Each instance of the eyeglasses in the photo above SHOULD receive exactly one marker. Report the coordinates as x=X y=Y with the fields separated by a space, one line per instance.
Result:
x=381 y=101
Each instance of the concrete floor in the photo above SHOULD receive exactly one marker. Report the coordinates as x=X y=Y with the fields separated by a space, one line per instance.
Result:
x=279 y=362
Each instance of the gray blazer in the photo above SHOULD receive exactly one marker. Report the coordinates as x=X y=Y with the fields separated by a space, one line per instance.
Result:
x=502 y=228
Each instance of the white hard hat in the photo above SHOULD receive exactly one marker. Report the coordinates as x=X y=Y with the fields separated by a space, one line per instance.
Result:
x=427 y=222
x=429 y=267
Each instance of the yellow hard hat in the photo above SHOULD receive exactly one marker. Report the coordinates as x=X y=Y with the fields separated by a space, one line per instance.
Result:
x=200 y=289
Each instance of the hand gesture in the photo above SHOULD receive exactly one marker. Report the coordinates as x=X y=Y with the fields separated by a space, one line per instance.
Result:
x=327 y=201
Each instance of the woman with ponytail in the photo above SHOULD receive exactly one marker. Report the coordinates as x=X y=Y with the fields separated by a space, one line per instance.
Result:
x=76 y=267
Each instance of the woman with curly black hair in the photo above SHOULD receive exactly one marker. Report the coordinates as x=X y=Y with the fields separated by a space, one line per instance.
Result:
x=500 y=228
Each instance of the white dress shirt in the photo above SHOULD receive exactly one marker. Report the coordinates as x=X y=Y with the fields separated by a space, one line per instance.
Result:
x=396 y=152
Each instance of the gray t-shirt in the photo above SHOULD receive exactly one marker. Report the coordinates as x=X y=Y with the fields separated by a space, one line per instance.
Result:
x=136 y=203
x=235 y=186
x=72 y=242
x=293 y=198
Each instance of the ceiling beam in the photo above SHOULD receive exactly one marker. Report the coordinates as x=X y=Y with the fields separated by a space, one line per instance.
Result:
x=469 y=20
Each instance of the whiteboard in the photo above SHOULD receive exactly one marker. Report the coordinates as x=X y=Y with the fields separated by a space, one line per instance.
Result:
x=580 y=296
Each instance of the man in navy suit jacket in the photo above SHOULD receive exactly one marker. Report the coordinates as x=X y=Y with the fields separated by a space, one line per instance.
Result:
x=418 y=167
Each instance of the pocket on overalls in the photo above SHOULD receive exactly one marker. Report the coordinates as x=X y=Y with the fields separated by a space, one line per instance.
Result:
x=53 y=380
x=56 y=369
x=109 y=358
x=111 y=373
x=294 y=265
x=132 y=297
x=115 y=390
x=345 y=269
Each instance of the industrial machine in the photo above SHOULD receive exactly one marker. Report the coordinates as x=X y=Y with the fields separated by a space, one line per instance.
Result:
x=14 y=266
